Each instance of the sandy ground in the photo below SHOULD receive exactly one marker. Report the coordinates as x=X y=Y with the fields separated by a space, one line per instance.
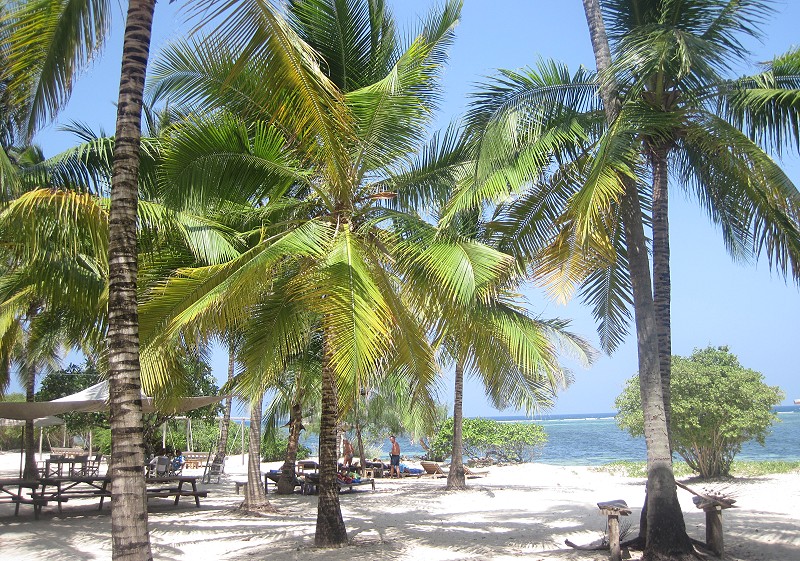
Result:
x=514 y=512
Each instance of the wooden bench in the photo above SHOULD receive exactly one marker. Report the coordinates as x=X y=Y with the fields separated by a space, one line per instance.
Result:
x=613 y=510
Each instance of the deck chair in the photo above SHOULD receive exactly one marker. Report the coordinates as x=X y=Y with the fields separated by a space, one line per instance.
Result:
x=92 y=467
x=475 y=472
x=434 y=469
x=159 y=468
x=213 y=468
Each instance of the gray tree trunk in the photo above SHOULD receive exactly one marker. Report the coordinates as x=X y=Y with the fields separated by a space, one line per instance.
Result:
x=255 y=499
x=29 y=442
x=224 y=429
x=666 y=536
x=129 y=534
x=330 y=529
x=456 y=479
x=287 y=477
x=662 y=286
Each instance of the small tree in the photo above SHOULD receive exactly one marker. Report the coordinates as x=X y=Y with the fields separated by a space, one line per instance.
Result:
x=486 y=438
x=717 y=405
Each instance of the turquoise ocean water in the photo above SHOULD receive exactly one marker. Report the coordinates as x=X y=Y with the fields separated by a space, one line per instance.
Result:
x=594 y=439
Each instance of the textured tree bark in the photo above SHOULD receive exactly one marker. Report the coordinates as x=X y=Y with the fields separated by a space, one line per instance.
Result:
x=455 y=478
x=287 y=477
x=129 y=534
x=29 y=443
x=330 y=524
x=662 y=286
x=666 y=536
x=362 y=461
x=255 y=499
x=224 y=429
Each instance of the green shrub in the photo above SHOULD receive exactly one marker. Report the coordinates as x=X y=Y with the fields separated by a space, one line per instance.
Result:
x=717 y=405
x=274 y=449
x=486 y=438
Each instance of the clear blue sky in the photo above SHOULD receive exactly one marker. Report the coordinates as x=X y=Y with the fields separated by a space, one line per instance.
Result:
x=715 y=301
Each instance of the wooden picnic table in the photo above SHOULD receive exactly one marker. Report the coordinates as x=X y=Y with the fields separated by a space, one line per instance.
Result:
x=81 y=487
x=8 y=494
x=177 y=492
x=54 y=465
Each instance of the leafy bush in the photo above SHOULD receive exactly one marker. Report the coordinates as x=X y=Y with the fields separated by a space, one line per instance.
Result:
x=486 y=438
x=717 y=405
x=274 y=449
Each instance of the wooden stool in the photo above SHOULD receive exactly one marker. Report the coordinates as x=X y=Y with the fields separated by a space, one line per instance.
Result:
x=613 y=510
x=713 y=507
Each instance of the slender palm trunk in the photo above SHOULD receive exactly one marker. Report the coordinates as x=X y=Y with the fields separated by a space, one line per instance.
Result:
x=29 y=443
x=224 y=429
x=456 y=478
x=661 y=273
x=286 y=480
x=255 y=498
x=330 y=524
x=129 y=534
x=362 y=462
x=666 y=536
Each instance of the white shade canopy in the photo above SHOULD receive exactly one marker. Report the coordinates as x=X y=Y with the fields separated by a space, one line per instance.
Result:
x=94 y=399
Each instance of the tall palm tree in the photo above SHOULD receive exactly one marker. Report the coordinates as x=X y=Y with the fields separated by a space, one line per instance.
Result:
x=512 y=354
x=130 y=536
x=598 y=241
x=665 y=535
x=336 y=249
x=674 y=58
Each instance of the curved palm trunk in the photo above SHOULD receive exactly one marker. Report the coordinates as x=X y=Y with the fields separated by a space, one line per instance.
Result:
x=330 y=524
x=224 y=429
x=456 y=478
x=661 y=274
x=286 y=480
x=29 y=442
x=666 y=536
x=129 y=534
x=255 y=498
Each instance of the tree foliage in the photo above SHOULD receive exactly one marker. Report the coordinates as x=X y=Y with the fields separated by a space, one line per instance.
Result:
x=718 y=405
x=485 y=438
x=68 y=381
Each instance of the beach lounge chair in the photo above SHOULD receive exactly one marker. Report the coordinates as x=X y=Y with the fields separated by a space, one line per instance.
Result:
x=434 y=469
x=475 y=472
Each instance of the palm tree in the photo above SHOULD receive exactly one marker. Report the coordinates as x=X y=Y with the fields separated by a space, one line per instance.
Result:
x=512 y=354
x=680 y=55
x=558 y=132
x=130 y=537
x=319 y=156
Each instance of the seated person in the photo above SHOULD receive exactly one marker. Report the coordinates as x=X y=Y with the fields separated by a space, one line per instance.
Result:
x=178 y=461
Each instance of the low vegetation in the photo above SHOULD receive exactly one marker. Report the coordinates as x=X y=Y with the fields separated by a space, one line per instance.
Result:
x=489 y=439
x=738 y=468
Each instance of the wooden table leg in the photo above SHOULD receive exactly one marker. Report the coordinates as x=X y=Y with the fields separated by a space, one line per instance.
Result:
x=714 y=530
x=194 y=490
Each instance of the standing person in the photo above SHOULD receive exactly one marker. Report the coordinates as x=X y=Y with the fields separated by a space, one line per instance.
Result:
x=394 y=457
x=347 y=452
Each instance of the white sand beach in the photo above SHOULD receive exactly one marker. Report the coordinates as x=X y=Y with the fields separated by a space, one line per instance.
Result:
x=524 y=511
